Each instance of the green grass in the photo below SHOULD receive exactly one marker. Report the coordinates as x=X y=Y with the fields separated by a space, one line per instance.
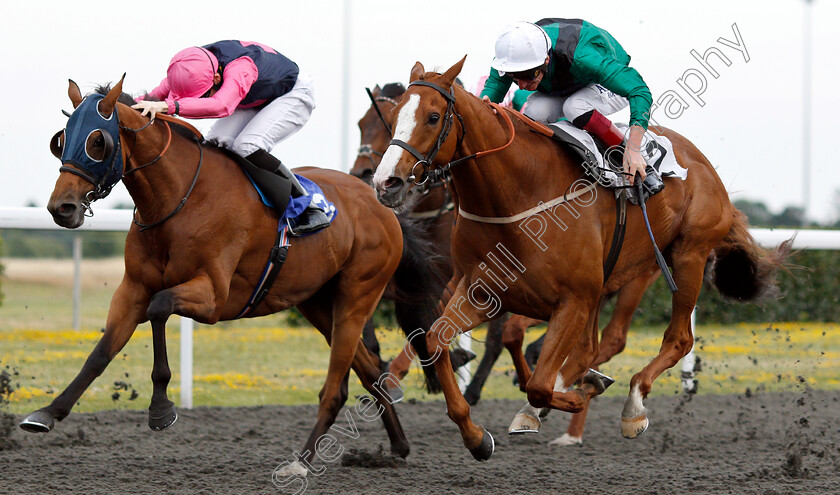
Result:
x=254 y=362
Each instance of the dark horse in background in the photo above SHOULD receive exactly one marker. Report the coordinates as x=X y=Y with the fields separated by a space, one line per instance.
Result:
x=200 y=241
x=432 y=205
x=499 y=169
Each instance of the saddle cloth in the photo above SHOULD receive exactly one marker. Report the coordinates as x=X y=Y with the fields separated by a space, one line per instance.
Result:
x=660 y=157
x=296 y=206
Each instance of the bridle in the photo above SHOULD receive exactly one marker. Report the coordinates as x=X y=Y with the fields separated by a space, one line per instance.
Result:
x=365 y=149
x=427 y=160
x=441 y=172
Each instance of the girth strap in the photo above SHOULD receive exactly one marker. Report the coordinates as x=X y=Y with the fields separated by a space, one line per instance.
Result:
x=272 y=269
x=618 y=233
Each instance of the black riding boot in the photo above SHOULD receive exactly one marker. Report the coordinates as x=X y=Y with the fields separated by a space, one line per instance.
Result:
x=312 y=218
x=267 y=161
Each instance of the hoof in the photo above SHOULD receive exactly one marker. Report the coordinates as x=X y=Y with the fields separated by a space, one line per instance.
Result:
x=161 y=420
x=566 y=440
x=400 y=449
x=287 y=469
x=395 y=395
x=633 y=428
x=524 y=423
x=38 y=422
x=485 y=449
x=600 y=381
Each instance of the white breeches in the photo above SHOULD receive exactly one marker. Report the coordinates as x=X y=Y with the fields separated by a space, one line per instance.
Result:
x=248 y=129
x=549 y=109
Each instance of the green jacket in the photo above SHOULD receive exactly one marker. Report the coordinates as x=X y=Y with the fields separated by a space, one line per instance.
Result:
x=583 y=54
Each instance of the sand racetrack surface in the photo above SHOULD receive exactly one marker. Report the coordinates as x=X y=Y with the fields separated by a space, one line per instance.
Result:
x=773 y=443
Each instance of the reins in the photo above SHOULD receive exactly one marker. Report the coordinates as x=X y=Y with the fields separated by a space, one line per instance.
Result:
x=168 y=124
x=373 y=100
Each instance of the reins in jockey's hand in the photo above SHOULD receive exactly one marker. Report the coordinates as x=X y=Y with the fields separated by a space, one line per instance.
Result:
x=660 y=260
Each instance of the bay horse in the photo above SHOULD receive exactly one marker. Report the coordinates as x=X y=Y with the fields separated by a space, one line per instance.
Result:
x=201 y=239
x=500 y=170
x=430 y=205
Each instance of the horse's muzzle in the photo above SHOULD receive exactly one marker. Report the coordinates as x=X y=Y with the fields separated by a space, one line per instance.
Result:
x=391 y=192
x=67 y=214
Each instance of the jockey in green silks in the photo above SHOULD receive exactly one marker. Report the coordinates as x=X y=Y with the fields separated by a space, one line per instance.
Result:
x=577 y=71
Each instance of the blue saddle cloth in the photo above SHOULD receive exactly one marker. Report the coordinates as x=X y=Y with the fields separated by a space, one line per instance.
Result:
x=296 y=206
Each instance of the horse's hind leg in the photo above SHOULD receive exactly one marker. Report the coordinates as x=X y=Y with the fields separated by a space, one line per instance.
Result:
x=342 y=334
x=689 y=261
x=125 y=313
x=378 y=386
x=492 y=349
x=512 y=337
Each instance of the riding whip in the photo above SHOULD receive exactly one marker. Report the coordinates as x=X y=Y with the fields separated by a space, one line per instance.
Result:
x=660 y=260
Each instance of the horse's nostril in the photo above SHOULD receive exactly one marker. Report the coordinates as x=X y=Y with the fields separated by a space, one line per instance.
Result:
x=393 y=183
x=64 y=210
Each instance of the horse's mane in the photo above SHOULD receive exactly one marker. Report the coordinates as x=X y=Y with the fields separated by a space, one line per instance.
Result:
x=127 y=99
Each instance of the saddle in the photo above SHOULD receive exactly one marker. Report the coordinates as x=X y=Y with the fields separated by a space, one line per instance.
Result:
x=276 y=192
x=609 y=173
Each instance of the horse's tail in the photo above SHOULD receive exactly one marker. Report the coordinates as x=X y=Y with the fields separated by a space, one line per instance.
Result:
x=418 y=284
x=743 y=270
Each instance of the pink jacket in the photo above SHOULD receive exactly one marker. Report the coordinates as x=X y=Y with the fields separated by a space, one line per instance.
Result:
x=237 y=79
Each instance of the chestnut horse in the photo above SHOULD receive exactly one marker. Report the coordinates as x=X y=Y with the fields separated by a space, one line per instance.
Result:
x=432 y=211
x=202 y=255
x=500 y=171
x=430 y=206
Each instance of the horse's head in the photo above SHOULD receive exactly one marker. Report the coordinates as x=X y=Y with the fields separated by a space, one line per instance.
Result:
x=375 y=128
x=90 y=153
x=423 y=121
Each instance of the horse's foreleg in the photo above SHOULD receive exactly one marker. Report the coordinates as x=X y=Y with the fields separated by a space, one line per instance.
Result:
x=571 y=364
x=570 y=328
x=677 y=341
x=125 y=313
x=459 y=316
x=492 y=349
x=196 y=299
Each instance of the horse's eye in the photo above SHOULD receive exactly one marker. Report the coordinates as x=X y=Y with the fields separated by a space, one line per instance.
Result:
x=95 y=146
x=434 y=118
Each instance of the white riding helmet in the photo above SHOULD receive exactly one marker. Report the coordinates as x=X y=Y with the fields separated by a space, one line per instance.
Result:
x=521 y=46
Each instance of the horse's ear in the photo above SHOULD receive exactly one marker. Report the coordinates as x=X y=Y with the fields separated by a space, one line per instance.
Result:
x=106 y=106
x=74 y=93
x=417 y=72
x=376 y=91
x=449 y=76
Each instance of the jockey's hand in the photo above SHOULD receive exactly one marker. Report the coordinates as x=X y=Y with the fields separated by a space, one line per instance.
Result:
x=486 y=99
x=633 y=161
x=634 y=164
x=151 y=107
